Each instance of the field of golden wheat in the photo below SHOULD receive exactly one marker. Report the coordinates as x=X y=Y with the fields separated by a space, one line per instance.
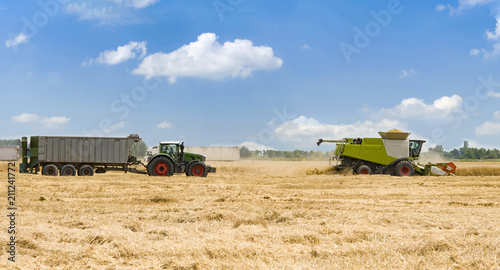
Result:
x=257 y=215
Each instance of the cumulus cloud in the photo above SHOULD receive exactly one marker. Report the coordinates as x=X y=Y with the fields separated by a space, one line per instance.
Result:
x=305 y=47
x=304 y=132
x=14 y=42
x=48 y=122
x=413 y=108
x=164 y=124
x=488 y=128
x=123 y=53
x=256 y=146
x=495 y=35
x=406 y=73
x=207 y=58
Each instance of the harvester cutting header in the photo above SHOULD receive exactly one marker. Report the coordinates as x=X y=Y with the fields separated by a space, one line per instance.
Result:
x=391 y=154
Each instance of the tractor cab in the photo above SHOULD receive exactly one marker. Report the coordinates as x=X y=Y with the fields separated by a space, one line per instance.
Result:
x=415 y=148
x=173 y=149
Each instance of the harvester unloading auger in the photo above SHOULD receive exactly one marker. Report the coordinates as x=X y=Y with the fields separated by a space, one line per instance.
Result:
x=391 y=154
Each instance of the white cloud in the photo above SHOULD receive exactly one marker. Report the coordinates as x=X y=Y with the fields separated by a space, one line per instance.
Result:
x=304 y=132
x=305 y=47
x=406 y=73
x=440 y=7
x=414 y=108
x=137 y=3
x=496 y=34
x=48 y=122
x=14 y=42
x=164 y=124
x=471 y=3
x=123 y=53
x=107 y=12
x=117 y=126
x=493 y=94
x=85 y=12
x=207 y=58
x=255 y=146
x=493 y=54
x=474 y=51
x=496 y=115
x=488 y=128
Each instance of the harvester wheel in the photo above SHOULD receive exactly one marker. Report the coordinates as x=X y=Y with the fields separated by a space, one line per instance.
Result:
x=405 y=168
x=86 y=170
x=197 y=168
x=161 y=166
x=50 y=170
x=364 y=169
x=68 y=170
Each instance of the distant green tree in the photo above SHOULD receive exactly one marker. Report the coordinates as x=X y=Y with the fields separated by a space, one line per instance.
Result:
x=491 y=154
x=245 y=152
x=469 y=154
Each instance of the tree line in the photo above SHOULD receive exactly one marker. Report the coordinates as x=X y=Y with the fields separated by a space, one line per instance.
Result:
x=246 y=153
x=466 y=152
x=10 y=142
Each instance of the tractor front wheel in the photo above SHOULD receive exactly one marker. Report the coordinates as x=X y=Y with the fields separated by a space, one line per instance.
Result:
x=405 y=168
x=161 y=166
x=197 y=168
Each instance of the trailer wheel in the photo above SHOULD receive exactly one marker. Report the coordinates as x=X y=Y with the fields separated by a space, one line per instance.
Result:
x=405 y=168
x=364 y=169
x=68 y=170
x=161 y=166
x=197 y=168
x=50 y=170
x=86 y=170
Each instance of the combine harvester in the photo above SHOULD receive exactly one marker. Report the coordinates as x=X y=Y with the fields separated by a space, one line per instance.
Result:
x=392 y=154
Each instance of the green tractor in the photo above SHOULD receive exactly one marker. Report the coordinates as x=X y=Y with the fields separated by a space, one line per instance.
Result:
x=391 y=154
x=170 y=158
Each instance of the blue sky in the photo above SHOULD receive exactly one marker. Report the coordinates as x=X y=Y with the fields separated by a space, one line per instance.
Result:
x=265 y=74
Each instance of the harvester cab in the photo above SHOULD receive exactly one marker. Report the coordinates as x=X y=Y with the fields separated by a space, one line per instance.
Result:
x=391 y=154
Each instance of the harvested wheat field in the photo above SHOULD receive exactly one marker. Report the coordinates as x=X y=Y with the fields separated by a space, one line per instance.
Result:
x=256 y=215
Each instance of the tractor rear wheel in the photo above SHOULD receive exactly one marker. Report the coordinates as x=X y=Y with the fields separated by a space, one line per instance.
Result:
x=68 y=170
x=161 y=166
x=50 y=170
x=197 y=168
x=364 y=169
x=404 y=168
